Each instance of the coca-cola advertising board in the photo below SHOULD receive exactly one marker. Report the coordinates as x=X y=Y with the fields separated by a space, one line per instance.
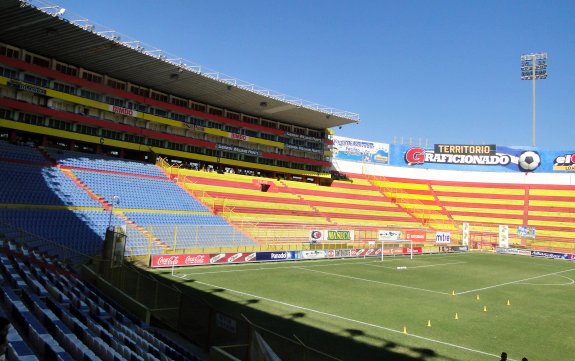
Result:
x=178 y=260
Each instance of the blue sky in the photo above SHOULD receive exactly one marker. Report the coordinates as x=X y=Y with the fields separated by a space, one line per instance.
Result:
x=440 y=71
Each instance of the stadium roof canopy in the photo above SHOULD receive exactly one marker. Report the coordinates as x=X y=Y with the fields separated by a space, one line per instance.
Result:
x=45 y=31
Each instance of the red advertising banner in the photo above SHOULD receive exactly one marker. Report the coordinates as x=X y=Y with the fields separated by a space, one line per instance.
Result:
x=416 y=236
x=415 y=250
x=170 y=260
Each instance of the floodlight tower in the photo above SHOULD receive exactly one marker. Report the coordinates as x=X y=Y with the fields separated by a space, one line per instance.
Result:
x=533 y=67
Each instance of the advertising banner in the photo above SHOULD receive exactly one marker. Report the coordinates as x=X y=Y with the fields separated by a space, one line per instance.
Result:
x=315 y=254
x=316 y=236
x=526 y=232
x=552 y=255
x=465 y=234
x=179 y=260
x=504 y=235
x=384 y=235
x=443 y=237
x=276 y=256
x=361 y=151
x=416 y=236
x=485 y=158
x=232 y=257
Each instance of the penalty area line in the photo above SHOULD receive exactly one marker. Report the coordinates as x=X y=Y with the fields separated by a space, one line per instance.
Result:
x=515 y=282
x=350 y=320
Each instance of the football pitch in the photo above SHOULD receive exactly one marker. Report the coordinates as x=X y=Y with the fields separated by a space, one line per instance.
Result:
x=465 y=306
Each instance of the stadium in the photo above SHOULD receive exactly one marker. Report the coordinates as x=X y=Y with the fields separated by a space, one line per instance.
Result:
x=152 y=211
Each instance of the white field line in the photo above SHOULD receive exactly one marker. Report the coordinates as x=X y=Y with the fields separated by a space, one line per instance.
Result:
x=351 y=320
x=373 y=281
x=424 y=266
x=572 y=281
x=515 y=282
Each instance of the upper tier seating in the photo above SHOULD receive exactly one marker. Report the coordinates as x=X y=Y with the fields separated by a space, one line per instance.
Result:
x=101 y=162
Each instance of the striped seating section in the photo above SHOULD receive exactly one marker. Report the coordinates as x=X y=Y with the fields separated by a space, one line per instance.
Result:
x=551 y=211
x=71 y=203
x=353 y=204
x=57 y=317
x=101 y=162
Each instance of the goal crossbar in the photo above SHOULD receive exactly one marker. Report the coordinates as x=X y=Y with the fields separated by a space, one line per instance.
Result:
x=397 y=243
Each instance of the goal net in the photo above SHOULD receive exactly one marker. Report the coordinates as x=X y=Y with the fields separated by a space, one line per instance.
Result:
x=397 y=248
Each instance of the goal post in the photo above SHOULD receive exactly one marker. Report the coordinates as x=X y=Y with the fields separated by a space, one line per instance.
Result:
x=395 y=245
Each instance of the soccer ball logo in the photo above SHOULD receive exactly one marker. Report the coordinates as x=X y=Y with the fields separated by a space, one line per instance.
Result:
x=529 y=161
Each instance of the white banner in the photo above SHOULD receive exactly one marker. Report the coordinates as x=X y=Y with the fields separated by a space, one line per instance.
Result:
x=384 y=235
x=443 y=237
x=465 y=235
x=504 y=235
x=315 y=236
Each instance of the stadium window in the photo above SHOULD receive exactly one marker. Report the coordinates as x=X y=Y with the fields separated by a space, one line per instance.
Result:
x=134 y=139
x=116 y=84
x=59 y=124
x=250 y=120
x=176 y=146
x=114 y=101
x=65 y=69
x=9 y=52
x=8 y=73
x=139 y=91
x=31 y=119
x=282 y=163
x=90 y=95
x=176 y=116
x=194 y=149
x=297 y=130
x=232 y=115
x=5 y=114
x=268 y=136
x=110 y=134
x=64 y=88
x=199 y=107
x=84 y=129
x=250 y=133
x=36 y=60
x=35 y=80
x=197 y=121
x=179 y=102
x=249 y=158
x=215 y=111
x=283 y=140
x=91 y=77
x=155 y=142
x=269 y=124
x=159 y=96
x=214 y=125
x=229 y=128
x=159 y=112
x=314 y=134
x=285 y=127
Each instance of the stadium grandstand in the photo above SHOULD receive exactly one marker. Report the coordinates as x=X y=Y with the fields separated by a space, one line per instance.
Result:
x=119 y=164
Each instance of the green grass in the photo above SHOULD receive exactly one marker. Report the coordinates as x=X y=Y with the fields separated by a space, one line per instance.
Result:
x=356 y=309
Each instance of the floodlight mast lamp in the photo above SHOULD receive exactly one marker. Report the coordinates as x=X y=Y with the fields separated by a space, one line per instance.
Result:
x=533 y=67
x=115 y=200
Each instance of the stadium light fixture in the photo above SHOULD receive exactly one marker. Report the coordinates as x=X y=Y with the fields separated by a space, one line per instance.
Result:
x=533 y=67
x=115 y=200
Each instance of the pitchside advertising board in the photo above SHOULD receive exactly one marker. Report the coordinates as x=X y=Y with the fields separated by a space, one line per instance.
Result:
x=471 y=157
x=198 y=259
